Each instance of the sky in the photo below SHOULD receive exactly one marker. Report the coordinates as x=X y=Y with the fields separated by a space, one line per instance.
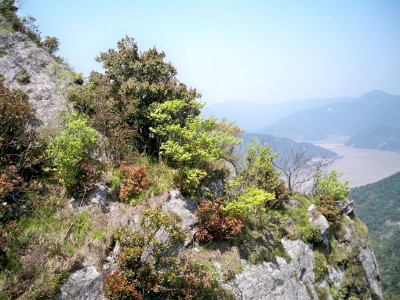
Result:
x=255 y=51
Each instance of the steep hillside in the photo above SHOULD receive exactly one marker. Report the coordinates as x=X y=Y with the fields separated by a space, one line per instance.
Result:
x=159 y=210
x=378 y=205
x=378 y=137
x=345 y=119
x=33 y=70
x=263 y=114
x=285 y=145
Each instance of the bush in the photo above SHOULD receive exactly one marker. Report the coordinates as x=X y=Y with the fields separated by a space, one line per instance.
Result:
x=194 y=147
x=252 y=201
x=328 y=209
x=215 y=223
x=50 y=44
x=70 y=154
x=330 y=185
x=134 y=181
x=149 y=267
x=19 y=150
x=260 y=170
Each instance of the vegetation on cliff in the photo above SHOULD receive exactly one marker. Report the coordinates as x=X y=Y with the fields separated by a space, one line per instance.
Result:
x=135 y=133
x=378 y=206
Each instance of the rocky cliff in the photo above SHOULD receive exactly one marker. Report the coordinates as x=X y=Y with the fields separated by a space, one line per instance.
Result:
x=330 y=261
x=331 y=268
x=29 y=68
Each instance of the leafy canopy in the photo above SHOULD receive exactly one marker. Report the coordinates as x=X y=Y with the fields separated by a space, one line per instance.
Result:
x=144 y=79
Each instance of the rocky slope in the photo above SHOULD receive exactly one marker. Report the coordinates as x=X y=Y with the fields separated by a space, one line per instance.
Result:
x=342 y=261
x=31 y=69
x=336 y=263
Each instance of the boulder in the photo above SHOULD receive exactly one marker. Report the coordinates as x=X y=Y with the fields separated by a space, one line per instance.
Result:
x=84 y=284
x=319 y=221
x=183 y=207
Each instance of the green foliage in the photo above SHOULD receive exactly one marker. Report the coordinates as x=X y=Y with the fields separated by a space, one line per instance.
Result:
x=48 y=242
x=252 y=201
x=320 y=266
x=23 y=77
x=51 y=44
x=193 y=148
x=310 y=234
x=260 y=170
x=378 y=205
x=330 y=185
x=142 y=79
x=70 y=150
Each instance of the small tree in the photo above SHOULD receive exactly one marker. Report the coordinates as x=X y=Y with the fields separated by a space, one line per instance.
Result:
x=329 y=184
x=298 y=167
x=260 y=169
x=51 y=44
x=193 y=148
x=70 y=151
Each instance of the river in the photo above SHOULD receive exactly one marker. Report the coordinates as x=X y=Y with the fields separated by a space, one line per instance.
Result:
x=362 y=166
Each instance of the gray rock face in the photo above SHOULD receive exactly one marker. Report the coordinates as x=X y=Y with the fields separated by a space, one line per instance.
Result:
x=85 y=284
x=346 y=206
x=184 y=207
x=370 y=265
x=22 y=56
x=232 y=171
x=320 y=222
x=280 y=280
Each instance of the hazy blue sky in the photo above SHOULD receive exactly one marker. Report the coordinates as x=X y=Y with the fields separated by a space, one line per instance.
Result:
x=258 y=51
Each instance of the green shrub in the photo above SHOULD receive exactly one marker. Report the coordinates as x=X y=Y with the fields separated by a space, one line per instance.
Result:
x=320 y=265
x=50 y=44
x=23 y=77
x=70 y=154
x=252 y=201
x=260 y=170
x=310 y=234
x=193 y=148
x=330 y=185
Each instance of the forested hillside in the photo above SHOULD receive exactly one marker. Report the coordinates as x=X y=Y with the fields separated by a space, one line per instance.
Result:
x=378 y=137
x=378 y=205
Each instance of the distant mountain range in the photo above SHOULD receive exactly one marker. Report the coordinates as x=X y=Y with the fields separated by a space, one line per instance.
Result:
x=378 y=205
x=371 y=121
x=378 y=137
x=253 y=117
x=341 y=118
x=282 y=146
